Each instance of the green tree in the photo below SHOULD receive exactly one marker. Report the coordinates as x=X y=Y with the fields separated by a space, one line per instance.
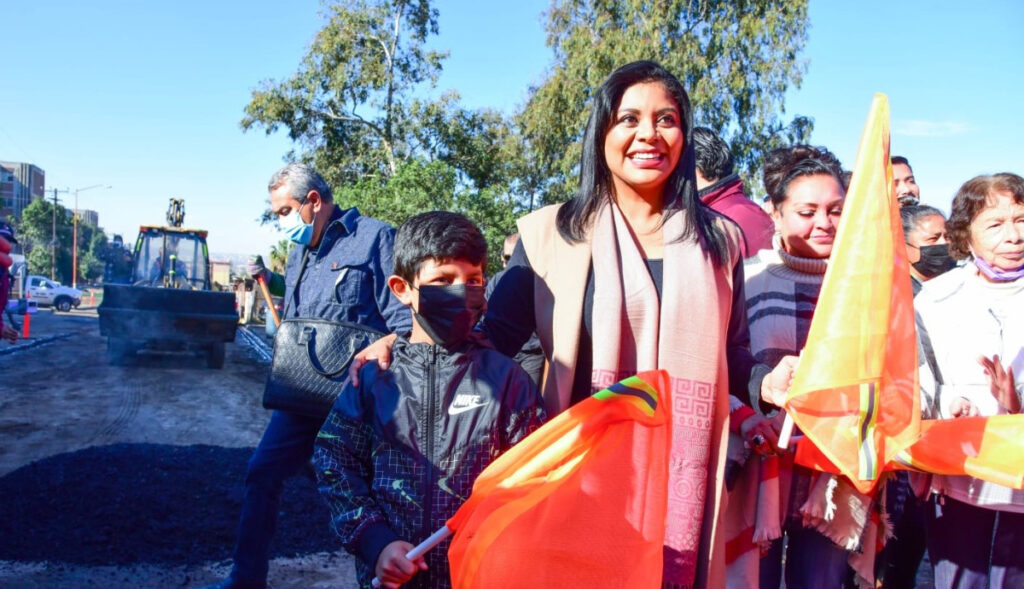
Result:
x=355 y=110
x=35 y=234
x=736 y=59
x=35 y=230
x=350 y=106
x=94 y=251
x=279 y=255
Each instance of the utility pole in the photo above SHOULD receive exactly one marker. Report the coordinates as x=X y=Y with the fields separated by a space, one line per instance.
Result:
x=53 y=240
x=53 y=237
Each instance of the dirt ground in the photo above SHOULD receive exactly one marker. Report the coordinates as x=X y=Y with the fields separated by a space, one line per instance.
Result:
x=61 y=406
x=120 y=477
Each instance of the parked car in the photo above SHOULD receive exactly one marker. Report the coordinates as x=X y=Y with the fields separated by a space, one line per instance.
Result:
x=46 y=292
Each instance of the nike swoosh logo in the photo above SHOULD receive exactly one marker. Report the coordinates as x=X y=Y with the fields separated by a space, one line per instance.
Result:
x=452 y=410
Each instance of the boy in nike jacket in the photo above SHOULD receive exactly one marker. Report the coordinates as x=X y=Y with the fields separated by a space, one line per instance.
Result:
x=401 y=447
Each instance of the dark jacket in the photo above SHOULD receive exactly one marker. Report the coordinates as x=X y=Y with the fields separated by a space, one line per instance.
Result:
x=726 y=197
x=915 y=284
x=399 y=454
x=530 y=356
x=346 y=278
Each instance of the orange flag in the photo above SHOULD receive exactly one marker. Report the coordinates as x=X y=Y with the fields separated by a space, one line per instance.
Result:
x=581 y=502
x=988 y=448
x=855 y=391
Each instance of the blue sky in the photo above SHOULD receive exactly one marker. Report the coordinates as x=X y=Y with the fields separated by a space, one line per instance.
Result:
x=147 y=96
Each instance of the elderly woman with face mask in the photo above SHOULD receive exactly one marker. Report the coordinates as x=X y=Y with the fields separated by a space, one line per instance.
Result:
x=971 y=326
x=924 y=228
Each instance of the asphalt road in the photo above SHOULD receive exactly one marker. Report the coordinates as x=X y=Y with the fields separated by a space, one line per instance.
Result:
x=60 y=400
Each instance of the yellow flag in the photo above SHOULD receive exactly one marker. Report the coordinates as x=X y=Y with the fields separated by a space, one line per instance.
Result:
x=855 y=391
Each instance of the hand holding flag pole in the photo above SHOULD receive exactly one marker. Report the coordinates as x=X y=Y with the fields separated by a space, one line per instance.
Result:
x=423 y=547
x=772 y=392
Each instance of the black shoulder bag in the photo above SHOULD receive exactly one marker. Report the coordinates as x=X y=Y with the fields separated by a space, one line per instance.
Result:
x=311 y=360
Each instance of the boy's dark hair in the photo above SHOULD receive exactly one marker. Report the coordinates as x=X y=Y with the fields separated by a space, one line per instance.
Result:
x=438 y=235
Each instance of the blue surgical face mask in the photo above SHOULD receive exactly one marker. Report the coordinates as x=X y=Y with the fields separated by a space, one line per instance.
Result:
x=295 y=228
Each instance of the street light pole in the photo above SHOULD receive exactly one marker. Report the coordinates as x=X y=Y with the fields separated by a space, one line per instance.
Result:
x=53 y=240
x=53 y=236
x=74 y=238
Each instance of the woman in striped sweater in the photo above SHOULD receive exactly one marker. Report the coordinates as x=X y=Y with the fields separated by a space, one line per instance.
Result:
x=805 y=185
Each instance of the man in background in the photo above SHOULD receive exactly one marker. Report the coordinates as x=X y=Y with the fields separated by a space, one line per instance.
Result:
x=530 y=357
x=338 y=271
x=908 y=193
x=722 y=190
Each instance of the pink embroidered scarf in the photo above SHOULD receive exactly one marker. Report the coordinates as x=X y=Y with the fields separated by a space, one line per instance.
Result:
x=682 y=334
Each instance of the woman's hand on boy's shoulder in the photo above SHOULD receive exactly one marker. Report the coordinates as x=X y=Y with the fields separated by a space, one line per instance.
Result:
x=379 y=350
x=393 y=568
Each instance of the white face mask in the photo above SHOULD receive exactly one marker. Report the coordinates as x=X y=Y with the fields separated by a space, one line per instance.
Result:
x=295 y=228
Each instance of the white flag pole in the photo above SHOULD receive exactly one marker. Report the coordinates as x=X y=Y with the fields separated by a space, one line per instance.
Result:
x=786 y=432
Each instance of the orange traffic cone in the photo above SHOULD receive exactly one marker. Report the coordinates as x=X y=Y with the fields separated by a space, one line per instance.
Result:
x=25 y=326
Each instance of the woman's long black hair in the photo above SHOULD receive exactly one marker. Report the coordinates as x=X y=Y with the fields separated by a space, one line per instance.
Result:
x=595 y=188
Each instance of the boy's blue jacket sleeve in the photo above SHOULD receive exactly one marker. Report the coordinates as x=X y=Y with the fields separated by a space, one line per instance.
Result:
x=344 y=472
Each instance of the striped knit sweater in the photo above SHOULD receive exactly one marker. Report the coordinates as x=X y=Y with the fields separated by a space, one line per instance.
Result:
x=782 y=292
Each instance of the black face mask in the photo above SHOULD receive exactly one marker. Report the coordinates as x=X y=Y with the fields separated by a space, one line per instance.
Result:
x=448 y=313
x=935 y=260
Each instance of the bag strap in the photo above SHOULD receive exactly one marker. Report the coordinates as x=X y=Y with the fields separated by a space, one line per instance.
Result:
x=308 y=335
x=298 y=282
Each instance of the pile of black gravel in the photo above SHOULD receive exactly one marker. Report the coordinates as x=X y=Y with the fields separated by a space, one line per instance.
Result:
x=146 y=503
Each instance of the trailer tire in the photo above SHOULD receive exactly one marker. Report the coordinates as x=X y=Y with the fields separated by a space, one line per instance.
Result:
x=215 y=355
